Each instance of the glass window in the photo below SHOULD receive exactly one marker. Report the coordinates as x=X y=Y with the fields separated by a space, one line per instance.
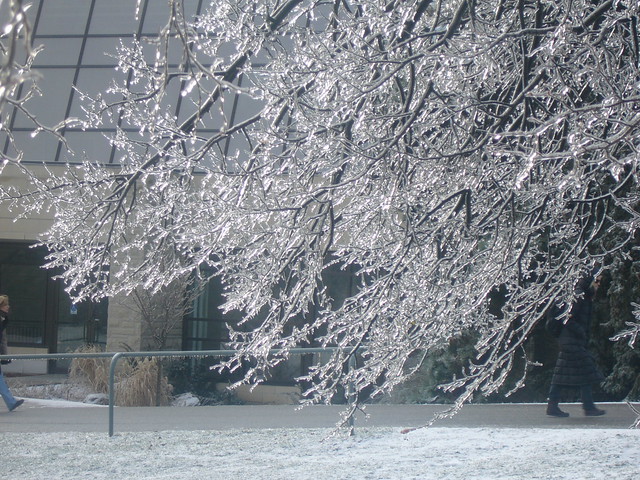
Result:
x=49 y=108
x=80 y=324
x=115 y=17
x=24 y=285
x=41 y=148
x=193 y=7
x=340 y=283
x=4 y=12
x=205 y=326
x=235 y=147
x=233 y=107
x=93 y=146
x=174 y=52
x=5 y=146
x=100 y=51
x=22 y=278
x=58 y=51
x=60 y=26
x=91 y=81
x=156 y=17
x=63 y=17
x=228 y=52
x=247 y=106
x=139 y=150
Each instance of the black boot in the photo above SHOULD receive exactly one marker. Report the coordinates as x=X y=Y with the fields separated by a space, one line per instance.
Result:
x=592 y=411
x=554 y=411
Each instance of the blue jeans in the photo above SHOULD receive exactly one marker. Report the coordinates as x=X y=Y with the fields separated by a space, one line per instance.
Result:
x=6 y=394
x=585 y=394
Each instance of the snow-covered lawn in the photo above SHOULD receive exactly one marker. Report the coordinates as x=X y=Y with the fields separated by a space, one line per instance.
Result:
x=320 y=454
x=287 y=454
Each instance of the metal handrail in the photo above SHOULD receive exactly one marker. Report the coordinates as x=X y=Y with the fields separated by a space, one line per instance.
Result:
x=55 y=356
x=116 y=356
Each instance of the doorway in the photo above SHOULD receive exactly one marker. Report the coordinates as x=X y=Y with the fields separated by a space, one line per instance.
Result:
x=42 y=314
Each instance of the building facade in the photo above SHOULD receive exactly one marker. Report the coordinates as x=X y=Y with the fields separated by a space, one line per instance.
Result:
x=77 y=38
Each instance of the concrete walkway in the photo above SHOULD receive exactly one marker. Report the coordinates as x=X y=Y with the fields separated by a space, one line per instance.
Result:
x=46 y=416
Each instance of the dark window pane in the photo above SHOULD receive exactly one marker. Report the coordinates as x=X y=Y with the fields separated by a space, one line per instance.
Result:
x=24 y=284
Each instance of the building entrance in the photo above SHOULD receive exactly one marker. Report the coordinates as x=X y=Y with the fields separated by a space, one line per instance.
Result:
x=42 y=315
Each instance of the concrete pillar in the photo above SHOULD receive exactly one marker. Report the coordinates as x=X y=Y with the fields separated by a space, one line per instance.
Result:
x=124 y=328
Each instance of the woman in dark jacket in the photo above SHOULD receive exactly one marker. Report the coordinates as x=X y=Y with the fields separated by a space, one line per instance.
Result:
x=576 y=367
x=8 y=398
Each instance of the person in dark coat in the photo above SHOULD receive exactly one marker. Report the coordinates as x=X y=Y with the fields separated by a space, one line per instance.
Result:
x=576 y=366
x=8 y=398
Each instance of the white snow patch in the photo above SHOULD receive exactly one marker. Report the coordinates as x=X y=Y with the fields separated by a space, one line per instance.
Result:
x=285 y=454
x=58 y=403
x=185 y=400
x=97 y=399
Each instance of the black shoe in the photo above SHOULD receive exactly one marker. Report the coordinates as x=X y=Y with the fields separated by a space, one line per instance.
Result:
x=16 y=405
x=554 y=411
x=593 y=412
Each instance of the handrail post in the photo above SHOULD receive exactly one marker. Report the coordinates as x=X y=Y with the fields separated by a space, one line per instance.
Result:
x=351 y=393
x=112 y=390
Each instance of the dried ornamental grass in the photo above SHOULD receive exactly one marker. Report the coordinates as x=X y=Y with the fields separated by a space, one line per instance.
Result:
x=95 y=371
x=140 y=387
x=136 y=382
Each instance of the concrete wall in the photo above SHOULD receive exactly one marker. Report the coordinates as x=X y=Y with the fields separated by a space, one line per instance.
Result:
x=26 y=228
x=265 y=394
x=26 y=367
x=124 y=327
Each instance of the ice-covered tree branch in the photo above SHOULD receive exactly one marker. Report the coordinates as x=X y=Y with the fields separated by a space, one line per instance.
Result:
x=633 y=331
x=439 y=150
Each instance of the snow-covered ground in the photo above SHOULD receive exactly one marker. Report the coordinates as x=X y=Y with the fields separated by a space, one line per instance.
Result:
x=288 y=454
